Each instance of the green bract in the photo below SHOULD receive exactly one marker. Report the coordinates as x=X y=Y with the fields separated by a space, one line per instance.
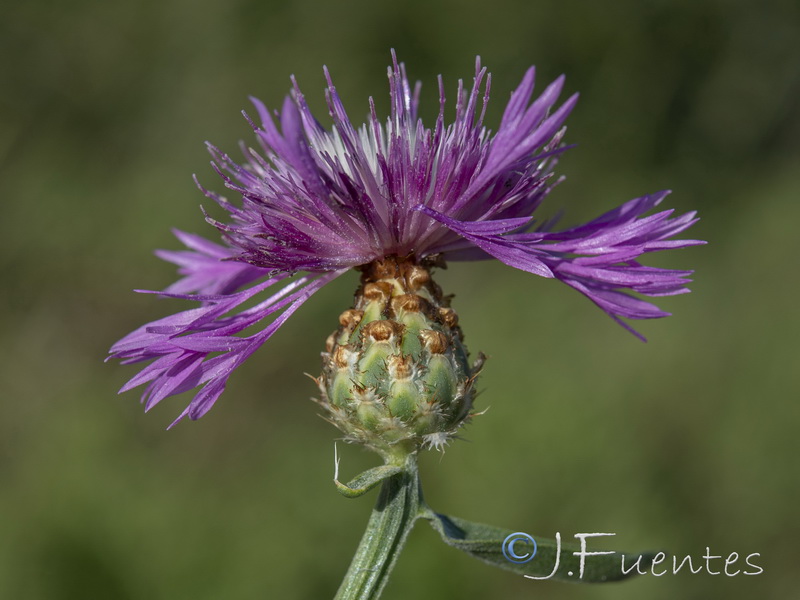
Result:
x=396 y=375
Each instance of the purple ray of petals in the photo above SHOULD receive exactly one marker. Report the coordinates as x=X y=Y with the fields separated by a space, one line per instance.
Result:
x=206 y=267
x=599 y=259
x=486 y=235
x=180 y=345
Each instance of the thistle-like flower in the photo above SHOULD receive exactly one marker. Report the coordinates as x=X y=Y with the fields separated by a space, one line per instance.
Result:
x=392 y=199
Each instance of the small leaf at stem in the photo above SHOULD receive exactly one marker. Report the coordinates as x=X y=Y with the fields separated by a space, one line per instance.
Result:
x=364 y=482
x=367 y=480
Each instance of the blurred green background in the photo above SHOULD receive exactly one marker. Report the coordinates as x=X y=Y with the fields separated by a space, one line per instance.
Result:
x=686 y=442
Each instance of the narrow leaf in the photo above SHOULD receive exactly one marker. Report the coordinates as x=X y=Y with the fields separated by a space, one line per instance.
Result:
x=550 y=559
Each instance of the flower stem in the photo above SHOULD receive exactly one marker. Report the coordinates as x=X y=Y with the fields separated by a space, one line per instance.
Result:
x=391 y=521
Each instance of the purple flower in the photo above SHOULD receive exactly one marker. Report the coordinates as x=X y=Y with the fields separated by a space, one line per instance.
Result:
x=317 y=202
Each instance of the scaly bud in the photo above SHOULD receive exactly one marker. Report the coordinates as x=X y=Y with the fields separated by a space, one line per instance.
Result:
x=396 y=375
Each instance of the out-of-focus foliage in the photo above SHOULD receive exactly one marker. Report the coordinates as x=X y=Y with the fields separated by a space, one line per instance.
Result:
x=684 y=443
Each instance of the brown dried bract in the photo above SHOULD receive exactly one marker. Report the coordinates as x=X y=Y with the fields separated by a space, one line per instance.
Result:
x=417 y=277
x=383 y=330
x=350 y=318
x=400 y=367
x=342 y=356
x=410 y=303
x=330 y=342
x=448 y=317
x=384 y=268
x=434 y=341
x=378 y=291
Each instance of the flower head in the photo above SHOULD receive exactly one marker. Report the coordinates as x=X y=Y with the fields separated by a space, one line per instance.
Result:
x=317 y=202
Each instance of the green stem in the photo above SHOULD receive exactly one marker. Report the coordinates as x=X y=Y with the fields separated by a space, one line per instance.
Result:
x=391 y=521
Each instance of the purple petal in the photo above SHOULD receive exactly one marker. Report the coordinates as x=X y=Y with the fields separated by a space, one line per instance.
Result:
x=514 y=255
x=179 y=345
